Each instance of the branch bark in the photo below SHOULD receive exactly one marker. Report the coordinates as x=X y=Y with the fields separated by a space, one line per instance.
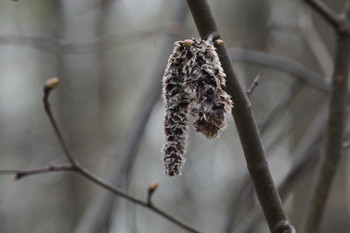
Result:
x=246 y=126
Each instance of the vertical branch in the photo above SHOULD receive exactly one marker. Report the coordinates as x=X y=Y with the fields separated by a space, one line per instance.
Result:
x=246 y=126
x=336 y=125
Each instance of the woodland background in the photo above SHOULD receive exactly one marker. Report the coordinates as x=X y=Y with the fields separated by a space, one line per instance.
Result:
x=110 y=56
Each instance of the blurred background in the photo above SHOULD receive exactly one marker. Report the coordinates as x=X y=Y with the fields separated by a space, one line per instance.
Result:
x=110 y=56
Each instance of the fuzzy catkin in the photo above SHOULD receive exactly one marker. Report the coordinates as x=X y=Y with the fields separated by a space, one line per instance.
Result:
x=177 y=109
x=193 y=84
x=205 y=80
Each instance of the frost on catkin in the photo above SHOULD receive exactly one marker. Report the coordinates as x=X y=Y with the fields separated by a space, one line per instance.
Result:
x=193 y=84
x=205 y=80
x=177 y=108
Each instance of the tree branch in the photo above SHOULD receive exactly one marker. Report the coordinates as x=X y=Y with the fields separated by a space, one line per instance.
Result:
x=76 y=167
x=50 y=85
x=19 y=174
x=246 y=126
x=336 y=126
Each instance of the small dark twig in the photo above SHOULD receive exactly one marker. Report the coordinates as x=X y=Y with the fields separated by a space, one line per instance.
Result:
x=254 y=84
x=19 y=174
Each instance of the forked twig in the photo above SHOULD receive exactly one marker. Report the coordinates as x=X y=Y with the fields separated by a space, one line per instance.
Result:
x=74 y=165
x=254 y=84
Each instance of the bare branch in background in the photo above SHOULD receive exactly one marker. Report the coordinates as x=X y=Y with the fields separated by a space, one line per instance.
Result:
x=336 y=121
x=19 y=174
x=246 y=126
x=76 y=167
x=281 y=63
x=338 y=23
x=78 y=46
x=316 y=43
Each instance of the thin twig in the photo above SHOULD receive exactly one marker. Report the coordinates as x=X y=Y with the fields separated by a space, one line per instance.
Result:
x=19 y=174
x=254 y=84
x=338 y=23
x=336 y=126
x=49 y=86
x=47 y=90
x=246 y=126
x=100 y=182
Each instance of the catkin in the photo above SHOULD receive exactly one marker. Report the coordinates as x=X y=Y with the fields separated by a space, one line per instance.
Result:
x=177 y=109
x=193 y=85
x=205 y=80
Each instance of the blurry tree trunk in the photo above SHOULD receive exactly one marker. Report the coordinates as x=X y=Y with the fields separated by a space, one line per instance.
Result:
x=301 y=198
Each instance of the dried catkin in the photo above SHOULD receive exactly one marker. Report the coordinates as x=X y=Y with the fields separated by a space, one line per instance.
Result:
x=205 y=80
x=193 y=84
x=177 y=109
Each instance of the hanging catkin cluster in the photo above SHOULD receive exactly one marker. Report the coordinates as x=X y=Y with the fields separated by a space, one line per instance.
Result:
x=193 y=84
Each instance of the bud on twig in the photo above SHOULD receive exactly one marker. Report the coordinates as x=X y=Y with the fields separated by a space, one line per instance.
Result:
x=219 y=42
x=152 y=188
x=188 y=43
x=51 y=83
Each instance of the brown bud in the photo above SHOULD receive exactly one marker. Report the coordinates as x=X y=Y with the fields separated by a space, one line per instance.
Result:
x=52 y=83
x=219 y=42
x=188 y=43
x=153 y=187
